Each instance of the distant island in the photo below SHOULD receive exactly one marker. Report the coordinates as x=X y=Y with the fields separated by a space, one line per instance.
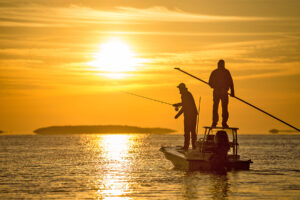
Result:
x=100 y=129
x=1 y=131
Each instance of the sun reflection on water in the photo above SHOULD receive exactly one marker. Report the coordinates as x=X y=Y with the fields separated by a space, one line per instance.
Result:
x=116 y=147
x=113 y=184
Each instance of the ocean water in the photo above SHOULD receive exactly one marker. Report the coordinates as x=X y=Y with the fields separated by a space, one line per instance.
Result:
x=132 y=167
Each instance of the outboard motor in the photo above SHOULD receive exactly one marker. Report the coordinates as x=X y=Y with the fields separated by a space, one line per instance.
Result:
x=222 y=147
x=222 y=142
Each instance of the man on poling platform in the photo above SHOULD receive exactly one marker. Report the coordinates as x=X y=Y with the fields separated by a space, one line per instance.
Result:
x=221 y=81
x=189 y=110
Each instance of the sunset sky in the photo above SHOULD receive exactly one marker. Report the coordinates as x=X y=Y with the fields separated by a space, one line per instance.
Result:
x=67 y=62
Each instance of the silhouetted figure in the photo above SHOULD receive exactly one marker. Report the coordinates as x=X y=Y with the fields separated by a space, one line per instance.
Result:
x=189 y=111
x=220 y=80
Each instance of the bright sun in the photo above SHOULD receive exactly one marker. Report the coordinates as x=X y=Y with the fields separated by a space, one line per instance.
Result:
x=115 y=57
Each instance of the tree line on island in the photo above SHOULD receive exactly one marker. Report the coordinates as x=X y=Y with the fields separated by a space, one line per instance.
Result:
x=94 y=129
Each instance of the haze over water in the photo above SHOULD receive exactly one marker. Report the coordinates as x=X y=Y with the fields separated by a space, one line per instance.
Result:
x=132 y=167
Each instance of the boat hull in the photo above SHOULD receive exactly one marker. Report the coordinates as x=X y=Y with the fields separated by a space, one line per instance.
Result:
x=194 y=160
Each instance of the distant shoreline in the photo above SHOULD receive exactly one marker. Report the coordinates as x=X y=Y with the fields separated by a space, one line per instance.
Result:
x=99 y=129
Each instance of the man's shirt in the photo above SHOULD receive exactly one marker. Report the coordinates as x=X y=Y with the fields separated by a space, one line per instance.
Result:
x=220 y=80
x=188 y=105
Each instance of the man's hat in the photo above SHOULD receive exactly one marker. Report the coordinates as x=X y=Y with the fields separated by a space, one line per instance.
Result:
x=181 y=86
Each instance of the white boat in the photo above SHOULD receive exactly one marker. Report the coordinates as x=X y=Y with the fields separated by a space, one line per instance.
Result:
x=217 y=150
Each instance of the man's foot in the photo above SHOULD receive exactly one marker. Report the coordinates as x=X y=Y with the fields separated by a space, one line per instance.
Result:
x=214 y=125
x=183 y=149
x=225 y=125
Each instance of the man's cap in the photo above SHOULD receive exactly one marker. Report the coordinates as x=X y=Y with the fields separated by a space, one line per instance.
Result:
x=181 y=86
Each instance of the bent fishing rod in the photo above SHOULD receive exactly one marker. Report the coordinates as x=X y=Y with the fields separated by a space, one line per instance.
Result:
x=242 y=101
x=149 y=98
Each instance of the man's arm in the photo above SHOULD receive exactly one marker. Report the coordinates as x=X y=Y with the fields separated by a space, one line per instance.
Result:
x=177 y=104
x=179 y=113
x=231 y=85
x=232 y=91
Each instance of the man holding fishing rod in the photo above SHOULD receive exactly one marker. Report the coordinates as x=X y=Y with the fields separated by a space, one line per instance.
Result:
x=221 y=81
x=189 y=110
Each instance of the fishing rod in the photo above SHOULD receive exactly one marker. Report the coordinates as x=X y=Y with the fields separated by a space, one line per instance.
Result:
x=242 y=101
x=197 y=125
x=149 y=98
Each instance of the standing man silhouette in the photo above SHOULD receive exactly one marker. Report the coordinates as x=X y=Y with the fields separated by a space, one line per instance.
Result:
x=220 y=80
x=189 y=110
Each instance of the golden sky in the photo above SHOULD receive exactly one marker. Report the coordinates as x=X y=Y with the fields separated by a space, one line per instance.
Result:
x=51 y=53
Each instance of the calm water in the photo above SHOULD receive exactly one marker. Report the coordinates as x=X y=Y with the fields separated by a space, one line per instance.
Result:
x=132 y=167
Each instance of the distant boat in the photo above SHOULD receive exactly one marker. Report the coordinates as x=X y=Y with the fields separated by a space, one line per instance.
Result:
x=275 y=131
x=211 y=152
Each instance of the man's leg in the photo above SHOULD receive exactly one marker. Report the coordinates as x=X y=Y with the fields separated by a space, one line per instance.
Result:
x=186 y=140
x=187 y=130
x=194 y=139
x=216 y=100
x=225 y=113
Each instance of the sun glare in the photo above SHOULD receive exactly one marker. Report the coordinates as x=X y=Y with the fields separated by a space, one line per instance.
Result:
x=114 y=58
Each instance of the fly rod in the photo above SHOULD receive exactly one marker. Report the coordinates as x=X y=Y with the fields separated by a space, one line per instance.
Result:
x=149 y=98
x=242 y=101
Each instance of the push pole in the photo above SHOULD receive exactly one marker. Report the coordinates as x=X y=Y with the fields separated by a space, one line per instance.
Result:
x=242 y=101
